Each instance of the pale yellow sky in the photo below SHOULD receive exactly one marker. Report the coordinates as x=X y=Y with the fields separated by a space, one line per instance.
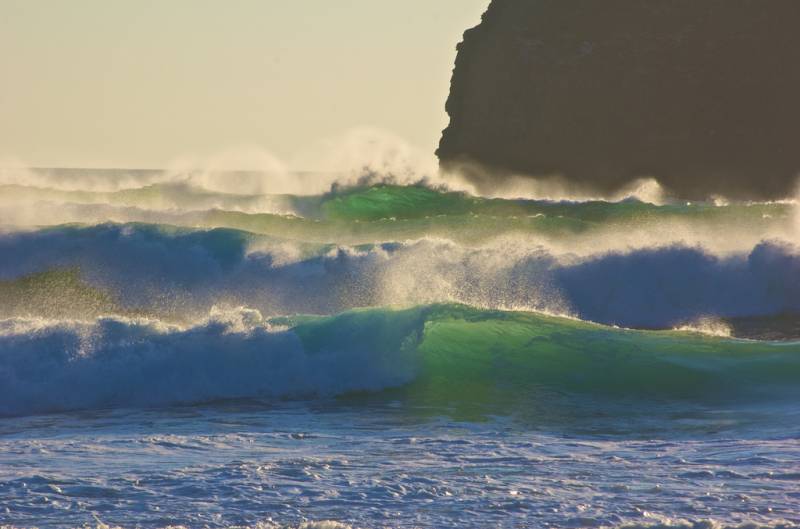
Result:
x=137 y=83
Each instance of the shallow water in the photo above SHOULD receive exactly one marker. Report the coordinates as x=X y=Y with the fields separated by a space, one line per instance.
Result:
x=381 y=465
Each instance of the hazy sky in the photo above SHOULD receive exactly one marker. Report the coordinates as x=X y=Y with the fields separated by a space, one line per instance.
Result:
x=137 y=83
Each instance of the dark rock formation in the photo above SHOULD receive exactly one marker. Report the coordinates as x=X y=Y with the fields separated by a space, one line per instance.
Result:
x=704 y=95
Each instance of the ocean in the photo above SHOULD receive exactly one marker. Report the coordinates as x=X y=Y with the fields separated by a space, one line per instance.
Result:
x=186 y=351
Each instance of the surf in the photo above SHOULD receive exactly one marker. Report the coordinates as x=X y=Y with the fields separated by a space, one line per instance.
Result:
x=177 y=274
x=439 y=354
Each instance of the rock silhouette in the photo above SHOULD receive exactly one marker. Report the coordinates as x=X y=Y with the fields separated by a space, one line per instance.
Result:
x=703 y=95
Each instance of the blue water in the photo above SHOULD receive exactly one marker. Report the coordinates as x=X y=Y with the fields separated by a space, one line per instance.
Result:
x=391 y=356
x=383 y=466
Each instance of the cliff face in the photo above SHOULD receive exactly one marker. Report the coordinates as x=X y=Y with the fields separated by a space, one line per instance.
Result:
x=704 y=95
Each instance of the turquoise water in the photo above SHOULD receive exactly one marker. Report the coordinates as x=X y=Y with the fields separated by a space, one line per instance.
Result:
x=395 y=356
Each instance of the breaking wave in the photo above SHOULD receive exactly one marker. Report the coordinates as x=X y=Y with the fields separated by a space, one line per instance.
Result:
x=133 y=291
x=178 y=274
x=439 y=353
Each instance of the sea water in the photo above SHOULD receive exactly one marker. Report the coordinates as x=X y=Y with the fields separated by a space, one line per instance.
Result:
x=393 y=356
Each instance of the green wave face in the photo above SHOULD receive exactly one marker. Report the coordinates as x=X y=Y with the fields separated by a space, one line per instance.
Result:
x=471 y=363
x=383 y=213
x=391 y=213
x=379 y=202
x=413 y=202
x=56 y=293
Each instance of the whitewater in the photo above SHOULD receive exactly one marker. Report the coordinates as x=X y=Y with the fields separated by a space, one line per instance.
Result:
x=218 y=349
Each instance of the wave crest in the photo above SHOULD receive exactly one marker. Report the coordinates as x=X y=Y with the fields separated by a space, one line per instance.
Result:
x=179 y=274
x=120 y=362
x=441 y=354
